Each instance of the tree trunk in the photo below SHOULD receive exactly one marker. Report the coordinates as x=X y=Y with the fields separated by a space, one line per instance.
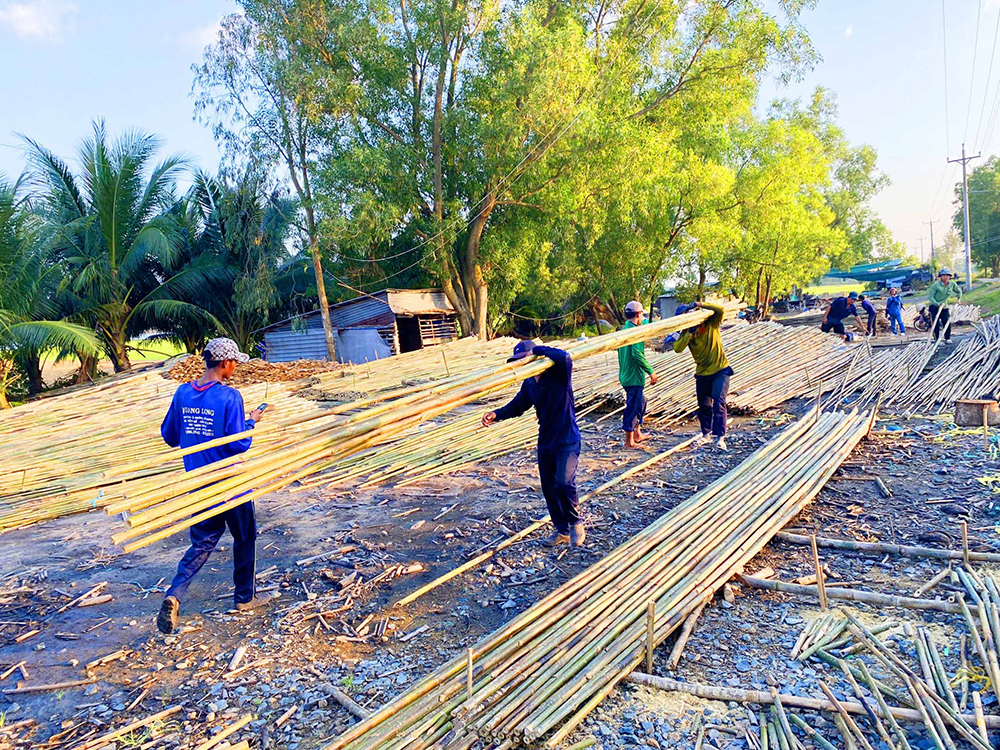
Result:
x=87 y=370
x=33 y=369
x=475 y=281
x=6 y=367
x=324 y=303
x=701 y=281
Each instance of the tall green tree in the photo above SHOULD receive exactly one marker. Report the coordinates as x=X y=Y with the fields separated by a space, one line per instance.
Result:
x=25 y=301
x=109 y=226
x=468 y=126
x=984 y=215
x=259 y=104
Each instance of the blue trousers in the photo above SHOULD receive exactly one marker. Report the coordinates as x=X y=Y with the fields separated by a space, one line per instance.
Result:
x=557 y=471
x=712 y=391
x=635 y=407
x=205 y=536
x=896 y=318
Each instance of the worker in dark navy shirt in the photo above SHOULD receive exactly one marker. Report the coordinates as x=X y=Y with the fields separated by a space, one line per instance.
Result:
x=200 y=411
x=551 y=393
x=839 y=309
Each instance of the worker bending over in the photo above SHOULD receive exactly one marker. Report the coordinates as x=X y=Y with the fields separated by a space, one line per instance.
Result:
x=712 y=371
x=838 y=310
x=551 y=393
x=633 y=367
x=938 y=295
x=200 y=411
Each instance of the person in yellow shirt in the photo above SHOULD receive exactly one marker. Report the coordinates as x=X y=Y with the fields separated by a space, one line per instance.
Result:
x=712 y=371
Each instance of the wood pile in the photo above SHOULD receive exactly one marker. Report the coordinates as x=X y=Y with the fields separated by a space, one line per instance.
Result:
x=541 y=674
x=255 y=371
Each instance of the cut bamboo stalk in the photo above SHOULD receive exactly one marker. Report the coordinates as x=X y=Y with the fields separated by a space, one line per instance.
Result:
x=739 y=695
x=878 y=548
x=855 y=596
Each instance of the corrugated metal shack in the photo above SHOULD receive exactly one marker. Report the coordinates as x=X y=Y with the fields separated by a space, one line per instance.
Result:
x=383 y=323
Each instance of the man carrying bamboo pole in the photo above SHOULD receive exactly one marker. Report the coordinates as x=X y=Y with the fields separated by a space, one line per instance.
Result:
x=551 y=393
x=203 y=410
x=633 y=367
x=711 y=373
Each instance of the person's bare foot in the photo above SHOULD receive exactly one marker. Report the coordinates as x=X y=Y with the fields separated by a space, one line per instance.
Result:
x=630 y=441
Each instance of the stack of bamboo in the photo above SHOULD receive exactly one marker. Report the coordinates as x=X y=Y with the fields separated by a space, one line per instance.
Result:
x=541 y=674
x=972 y=371
x=158 y=509
x=455 y=442
x=55 y=451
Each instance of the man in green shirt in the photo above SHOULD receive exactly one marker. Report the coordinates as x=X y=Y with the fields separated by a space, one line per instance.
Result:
x=937 y=297
x=633 y=367
x=711 y=373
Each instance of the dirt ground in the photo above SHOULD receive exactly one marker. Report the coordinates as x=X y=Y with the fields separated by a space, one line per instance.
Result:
x=385 y=542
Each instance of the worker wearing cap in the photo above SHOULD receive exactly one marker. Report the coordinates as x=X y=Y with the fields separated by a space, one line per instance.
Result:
x=633 y=367
x=938 y=295
x=200 y=411
x=551 y=393
x=712 y=371
x=838 y=310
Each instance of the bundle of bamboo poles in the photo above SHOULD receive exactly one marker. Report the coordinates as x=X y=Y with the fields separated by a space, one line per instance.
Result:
x=809 y=358
x=971 y=371
x=55 y=451
x=541 y=674
x=158 y=509
x=58 y=452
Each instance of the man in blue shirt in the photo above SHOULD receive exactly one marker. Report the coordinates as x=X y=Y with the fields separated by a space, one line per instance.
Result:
x=841 y=308
x=551 y=393
x=203 y=410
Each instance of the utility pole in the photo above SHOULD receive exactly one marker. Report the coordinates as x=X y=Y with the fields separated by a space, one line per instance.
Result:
x=931 y=222
x=965 y=208
x=921 y=248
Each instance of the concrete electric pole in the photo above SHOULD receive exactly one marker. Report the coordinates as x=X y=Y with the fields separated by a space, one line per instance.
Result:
x=965 y=208
x=931 y=222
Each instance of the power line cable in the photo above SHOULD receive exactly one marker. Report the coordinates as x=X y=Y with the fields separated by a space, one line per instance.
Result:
x=944 y=38
x=972 y=81
x=986 y=89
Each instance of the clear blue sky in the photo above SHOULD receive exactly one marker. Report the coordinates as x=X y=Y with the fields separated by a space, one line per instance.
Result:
x=71 y=61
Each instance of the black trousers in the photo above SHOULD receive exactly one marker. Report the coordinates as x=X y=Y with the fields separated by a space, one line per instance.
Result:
x=712 y=391
x=942 y=322
x=837 y=326
x=557 y=471
x=205 y=535
x=871 y=324
x=635 y=407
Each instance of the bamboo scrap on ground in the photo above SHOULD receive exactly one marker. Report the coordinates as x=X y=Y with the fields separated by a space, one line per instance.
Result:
x=542 y=673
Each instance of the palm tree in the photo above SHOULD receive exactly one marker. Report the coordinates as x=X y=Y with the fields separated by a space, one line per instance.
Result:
x=237 y=248
x=110 y=227
x=25 y=293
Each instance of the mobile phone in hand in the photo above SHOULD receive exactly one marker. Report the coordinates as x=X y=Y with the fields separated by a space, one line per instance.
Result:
x=263 y=407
